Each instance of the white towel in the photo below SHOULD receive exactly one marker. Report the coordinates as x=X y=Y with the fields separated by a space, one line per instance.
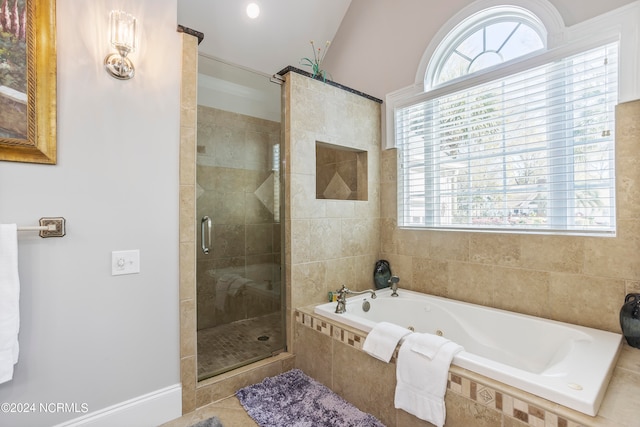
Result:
x=381 y=342
x=430 y=346
x=229 y=284
x=238 y=285
x=9 y=300
x=422 y=379
x=222 y=288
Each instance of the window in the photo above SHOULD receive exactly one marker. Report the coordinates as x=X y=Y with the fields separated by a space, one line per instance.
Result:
x=528 y=151
x=507 y=33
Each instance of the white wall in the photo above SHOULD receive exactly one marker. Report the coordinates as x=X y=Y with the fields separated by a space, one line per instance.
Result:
x=379 y=44
x=86 y=336
x=236 y=89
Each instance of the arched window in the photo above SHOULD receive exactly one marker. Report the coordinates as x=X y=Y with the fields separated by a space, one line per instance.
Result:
x=510 y=136
x=492 y=37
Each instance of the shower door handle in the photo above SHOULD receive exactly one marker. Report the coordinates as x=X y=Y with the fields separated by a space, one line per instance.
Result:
x=205 y=225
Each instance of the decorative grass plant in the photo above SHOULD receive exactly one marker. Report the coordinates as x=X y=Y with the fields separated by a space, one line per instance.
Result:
x=316 y=62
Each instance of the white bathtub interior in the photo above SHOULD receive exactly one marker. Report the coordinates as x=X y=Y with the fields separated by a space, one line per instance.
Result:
x=567 y=364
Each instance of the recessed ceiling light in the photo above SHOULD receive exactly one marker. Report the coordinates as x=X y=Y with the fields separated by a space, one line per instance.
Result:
x=253 y=10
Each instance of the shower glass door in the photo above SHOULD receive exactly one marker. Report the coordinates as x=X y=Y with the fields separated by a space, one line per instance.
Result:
x=240 y=290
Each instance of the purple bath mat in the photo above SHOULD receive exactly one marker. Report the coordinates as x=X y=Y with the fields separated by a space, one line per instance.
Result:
x=293 y=399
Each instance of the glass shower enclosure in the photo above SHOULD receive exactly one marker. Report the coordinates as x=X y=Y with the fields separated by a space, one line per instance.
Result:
x=240 y=289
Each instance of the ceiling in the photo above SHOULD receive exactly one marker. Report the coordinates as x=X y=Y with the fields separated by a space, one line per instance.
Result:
x=279 y=37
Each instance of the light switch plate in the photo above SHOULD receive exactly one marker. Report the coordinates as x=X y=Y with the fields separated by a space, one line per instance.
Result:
x=125 y=262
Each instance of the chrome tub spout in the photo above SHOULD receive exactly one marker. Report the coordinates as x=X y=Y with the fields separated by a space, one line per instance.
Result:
x=393 y=282
x=341 y=307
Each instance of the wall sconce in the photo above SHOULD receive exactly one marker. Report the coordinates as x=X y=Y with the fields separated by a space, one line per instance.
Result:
x=122 y=36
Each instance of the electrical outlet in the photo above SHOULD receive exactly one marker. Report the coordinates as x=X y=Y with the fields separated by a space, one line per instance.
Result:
x=125 y=262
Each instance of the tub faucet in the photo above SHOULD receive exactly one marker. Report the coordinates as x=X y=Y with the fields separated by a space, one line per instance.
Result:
x=342 y=297
x=393 y=281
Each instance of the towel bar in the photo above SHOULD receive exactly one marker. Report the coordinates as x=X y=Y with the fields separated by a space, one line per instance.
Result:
x=49 y=227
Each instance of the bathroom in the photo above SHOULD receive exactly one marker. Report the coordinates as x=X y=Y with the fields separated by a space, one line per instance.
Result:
x=558 y=277
x=103 y=150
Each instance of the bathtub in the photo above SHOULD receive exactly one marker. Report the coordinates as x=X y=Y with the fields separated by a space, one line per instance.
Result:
x=568 y=364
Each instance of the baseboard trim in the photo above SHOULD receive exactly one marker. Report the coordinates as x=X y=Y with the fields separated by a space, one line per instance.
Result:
x=148 y=410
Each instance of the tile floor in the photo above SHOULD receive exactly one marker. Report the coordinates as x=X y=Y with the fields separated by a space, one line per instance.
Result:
x=228 y=410
x=226 y=347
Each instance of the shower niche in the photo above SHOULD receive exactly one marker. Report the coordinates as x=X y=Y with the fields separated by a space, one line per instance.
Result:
x=341 y=172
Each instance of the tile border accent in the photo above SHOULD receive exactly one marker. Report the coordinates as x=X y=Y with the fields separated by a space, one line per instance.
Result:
x=292 y=69
x=482 y=394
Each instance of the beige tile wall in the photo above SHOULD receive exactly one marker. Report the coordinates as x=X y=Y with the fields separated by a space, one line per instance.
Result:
x=328 y=242
x=188 y=118
x=580 y=280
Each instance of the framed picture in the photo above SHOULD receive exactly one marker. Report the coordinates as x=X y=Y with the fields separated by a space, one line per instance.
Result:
x=28 y=81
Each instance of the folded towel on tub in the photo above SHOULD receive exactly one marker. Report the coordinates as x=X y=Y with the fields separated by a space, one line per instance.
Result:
x=430 y=346
x=229 y=285
x=422 y=371
x=9 y=300
x=222 y=288
x=381 y=342
x=238 y=285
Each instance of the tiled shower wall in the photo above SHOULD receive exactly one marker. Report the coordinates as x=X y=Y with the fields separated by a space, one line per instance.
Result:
x=187 y=252
x=328 y=242
x=235 y=185
x=581 y=280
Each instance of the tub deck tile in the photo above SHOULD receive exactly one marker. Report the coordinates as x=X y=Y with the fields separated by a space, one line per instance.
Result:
x=504 y=403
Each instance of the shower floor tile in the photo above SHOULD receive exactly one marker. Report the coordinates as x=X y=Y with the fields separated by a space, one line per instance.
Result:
x=226 y=347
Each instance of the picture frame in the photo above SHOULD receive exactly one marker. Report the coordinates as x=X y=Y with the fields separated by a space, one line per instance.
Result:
x=28 y=63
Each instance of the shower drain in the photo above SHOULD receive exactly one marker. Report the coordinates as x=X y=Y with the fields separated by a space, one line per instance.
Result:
x=263 y=338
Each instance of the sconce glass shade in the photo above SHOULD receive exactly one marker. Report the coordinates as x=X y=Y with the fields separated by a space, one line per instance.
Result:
x=122 y=36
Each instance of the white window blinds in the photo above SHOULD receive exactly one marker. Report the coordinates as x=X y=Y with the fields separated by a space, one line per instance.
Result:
x=533 y=151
